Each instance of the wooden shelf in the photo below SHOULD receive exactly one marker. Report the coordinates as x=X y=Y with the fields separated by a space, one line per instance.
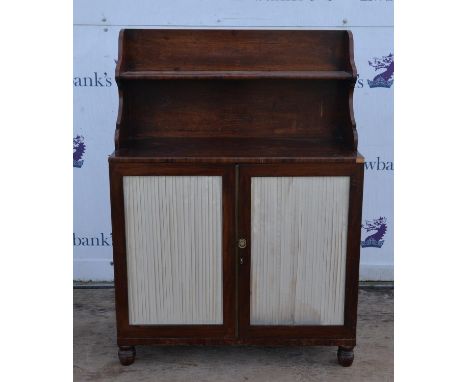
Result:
x=234 y=74
x=236 y=150
x=192 y=84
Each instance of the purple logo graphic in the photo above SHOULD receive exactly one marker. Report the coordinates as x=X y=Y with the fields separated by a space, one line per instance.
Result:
x=375 y=240
x=385 y=78
x=78 y=151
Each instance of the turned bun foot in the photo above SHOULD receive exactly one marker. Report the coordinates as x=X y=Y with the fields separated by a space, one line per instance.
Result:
x=127 y=355
x=345 y=355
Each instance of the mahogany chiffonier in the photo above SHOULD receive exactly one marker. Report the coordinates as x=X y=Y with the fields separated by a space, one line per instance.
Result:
x=236 y=189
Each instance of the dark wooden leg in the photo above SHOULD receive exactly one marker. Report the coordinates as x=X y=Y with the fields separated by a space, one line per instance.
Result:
x=127 y=355
x=345 y=355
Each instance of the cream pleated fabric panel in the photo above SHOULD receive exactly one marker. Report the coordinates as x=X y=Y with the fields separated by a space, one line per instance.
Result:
x=298 y=250
x=174 y=249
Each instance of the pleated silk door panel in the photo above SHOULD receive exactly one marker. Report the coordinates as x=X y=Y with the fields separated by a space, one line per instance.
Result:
x=173 y=228
x=298 y=250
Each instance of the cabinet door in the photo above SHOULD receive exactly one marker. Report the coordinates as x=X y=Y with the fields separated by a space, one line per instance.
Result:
x=174 y=266
x=299 y=267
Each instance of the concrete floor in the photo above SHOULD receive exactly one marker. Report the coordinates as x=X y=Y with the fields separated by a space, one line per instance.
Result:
x=95 y=350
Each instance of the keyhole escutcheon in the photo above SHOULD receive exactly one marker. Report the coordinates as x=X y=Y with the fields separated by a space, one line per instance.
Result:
x=242 y=243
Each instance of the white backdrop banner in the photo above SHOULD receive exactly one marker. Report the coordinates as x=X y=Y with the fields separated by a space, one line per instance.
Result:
x=96 y=28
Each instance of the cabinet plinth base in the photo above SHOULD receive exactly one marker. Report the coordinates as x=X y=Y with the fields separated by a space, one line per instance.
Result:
x=127 y=355
x=345 y=355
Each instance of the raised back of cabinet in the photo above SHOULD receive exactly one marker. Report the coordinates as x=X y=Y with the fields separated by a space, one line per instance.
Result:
x=235 y=83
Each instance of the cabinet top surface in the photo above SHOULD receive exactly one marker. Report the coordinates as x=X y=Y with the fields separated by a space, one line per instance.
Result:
x=237 y=150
